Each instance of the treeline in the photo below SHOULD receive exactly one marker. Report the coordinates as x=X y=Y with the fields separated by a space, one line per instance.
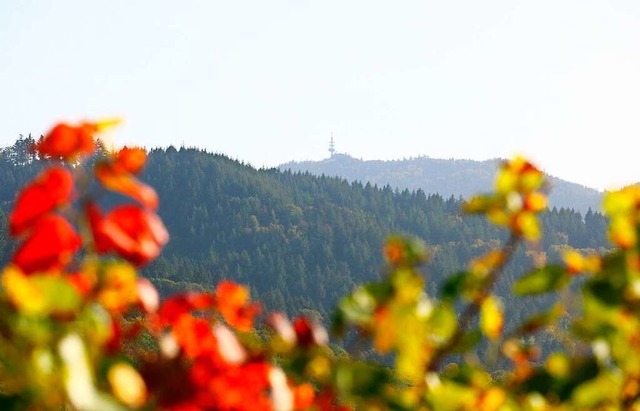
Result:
x=444 y=176
x=301 y=241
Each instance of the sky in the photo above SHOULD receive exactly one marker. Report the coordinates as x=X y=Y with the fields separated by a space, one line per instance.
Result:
x=267 y=82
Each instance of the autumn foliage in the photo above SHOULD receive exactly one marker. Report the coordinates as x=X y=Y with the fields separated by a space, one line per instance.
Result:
x=81 y=329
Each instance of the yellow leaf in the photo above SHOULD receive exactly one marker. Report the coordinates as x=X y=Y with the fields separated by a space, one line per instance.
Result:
x=107 y=123
x=491 y=318
x=385 y=330
x=492 y=400
x=535 y=202
x=26 y=296
x=619 y=202
x=531 y=180
x=483 y=265
x=558 y=365
x=528 y=225
x=498 y=216
x=118 y=286
x=574 y=261
x=127 y=385
x=622 y=232
x=506 y=181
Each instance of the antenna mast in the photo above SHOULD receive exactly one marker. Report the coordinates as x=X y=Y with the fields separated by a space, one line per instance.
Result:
x=332 y=145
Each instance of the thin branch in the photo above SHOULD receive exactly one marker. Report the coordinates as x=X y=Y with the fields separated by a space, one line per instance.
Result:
x=472 y=309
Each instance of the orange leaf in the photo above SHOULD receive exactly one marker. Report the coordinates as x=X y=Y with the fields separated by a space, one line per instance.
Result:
x=82 y=282
x=118 y=288
x=303 y=396
x=232 y=302
x=124 y=183
x=131 y=160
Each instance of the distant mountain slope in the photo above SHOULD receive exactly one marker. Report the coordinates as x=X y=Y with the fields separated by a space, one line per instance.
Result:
x=301 y=241
x=445 y=177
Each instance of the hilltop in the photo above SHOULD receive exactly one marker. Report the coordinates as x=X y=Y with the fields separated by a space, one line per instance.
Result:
x=447 y=177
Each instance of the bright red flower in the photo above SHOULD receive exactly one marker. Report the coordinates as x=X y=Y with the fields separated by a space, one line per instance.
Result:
x=50 y=246
x=233 y=303
x=68 y=142
x=134 y=233
x=50 y=189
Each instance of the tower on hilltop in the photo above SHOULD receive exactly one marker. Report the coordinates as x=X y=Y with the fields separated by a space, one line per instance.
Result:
x=332 y=145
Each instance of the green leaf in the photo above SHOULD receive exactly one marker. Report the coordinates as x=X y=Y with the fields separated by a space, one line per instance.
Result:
x=453 y=286
x=482 y=203
x=606 y=290
x=491 y=317
x=467 y=342
x=449 y=396
x=362 y=379
x=405 y=251
x=442 y=323
x=605 y=388
x=359 y=306
x=379 y=291
x=539 y=320
x=13 y=402
x=542 y=280
x=60 y=296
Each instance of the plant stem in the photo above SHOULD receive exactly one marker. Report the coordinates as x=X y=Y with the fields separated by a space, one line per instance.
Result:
x=472 y=309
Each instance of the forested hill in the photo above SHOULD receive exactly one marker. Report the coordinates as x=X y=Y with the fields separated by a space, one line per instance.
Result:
x=301 y=241
x=445 y=177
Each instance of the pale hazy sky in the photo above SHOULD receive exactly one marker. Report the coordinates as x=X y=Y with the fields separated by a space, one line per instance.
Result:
x=267 y=81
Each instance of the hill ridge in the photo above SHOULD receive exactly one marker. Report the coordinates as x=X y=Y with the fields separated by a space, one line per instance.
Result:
x=447 y=177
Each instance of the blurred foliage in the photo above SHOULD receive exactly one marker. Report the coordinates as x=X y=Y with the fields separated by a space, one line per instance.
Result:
x=81 y=329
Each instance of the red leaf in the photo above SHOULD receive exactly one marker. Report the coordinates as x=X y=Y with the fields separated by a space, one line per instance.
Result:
x=195 y=337
x=81 y=282
x=67 y=142
x=100 y=241
x=50 y=189
x=132 y=232
x=309 y=332
x=51 y=246
x=174 y=307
